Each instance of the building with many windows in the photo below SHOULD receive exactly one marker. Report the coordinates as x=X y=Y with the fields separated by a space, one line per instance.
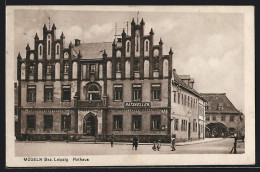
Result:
x=222 y=118
x=92 y=90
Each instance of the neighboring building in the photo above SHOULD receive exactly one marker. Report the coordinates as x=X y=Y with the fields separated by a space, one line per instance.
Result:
x=222 y=118
x=15 y=109
x=187 y=107
x=94 y=90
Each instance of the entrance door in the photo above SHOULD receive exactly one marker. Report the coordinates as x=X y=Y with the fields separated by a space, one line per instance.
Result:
x=89 y=126
x=189 y=131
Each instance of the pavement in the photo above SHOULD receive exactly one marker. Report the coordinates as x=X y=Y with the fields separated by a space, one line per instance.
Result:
x=206 y=146
x=128 y=143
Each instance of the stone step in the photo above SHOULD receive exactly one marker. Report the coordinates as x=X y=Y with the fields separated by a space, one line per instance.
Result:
x=87 y=139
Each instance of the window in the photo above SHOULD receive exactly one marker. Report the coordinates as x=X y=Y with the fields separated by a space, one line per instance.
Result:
x=156 y=63
x=156 y=91
x=146 y=45
x=155 y=122
x=118 y=92
x=194 y=125
x=31 y=70
x=49 y=48
x=137 y=122
x=179 y=96
x=118 y=122
x=118 y=67
x=207 y=118
x=93 y=93
x=188 y=103
x=65 y=122
x=66 y=93
x=40 y=49
x=176 y=124
x=136 y=65
x=223 y=118
x=182 y=125
x=92 y=68
x=231 y=118
x=182 y=99
x=128 y=46
x=48 y=93
x=48 y=122
x=174 y=96
x=58 y=49
x=31 y=121
x=31 y=93
x=137 y=92
x=49 y=67
x=185 y=100
x=214 y=118
x=66 y=68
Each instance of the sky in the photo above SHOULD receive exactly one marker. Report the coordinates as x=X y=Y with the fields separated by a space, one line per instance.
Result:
x=207 y=46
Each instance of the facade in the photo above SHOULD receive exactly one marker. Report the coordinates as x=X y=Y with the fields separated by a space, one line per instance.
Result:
x=222 y=118
x=93 y=90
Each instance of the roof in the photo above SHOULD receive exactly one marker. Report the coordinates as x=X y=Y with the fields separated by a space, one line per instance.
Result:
x=219 y=99
x=184 y=76
x=181 y=83
x=93 y=50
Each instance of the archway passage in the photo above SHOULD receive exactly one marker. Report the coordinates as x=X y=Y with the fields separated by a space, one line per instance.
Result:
x=89 y=125
x=217 y=130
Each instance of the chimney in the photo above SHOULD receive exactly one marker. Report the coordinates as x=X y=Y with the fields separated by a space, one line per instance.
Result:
x=77 y=42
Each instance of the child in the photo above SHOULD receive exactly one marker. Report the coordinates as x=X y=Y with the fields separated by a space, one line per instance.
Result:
x=158 y=145
x=154 y=146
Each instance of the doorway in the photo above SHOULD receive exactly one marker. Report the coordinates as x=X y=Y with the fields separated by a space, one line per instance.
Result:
x=89 y=125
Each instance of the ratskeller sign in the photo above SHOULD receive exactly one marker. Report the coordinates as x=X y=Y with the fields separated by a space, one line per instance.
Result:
x=137 y=104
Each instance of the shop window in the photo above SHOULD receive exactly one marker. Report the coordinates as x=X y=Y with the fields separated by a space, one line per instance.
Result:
x=65 y=122
x=155 y=122
x=48 y=93
x=66 y=93
x=137 y=92
x=31 y=93
x=156 y=91
x=176 y=124
x=118 y=92
x=231 y=118
x=48 y=122
x=93 y=92
x=118 y=122
x=137 y=122
x=31 y=122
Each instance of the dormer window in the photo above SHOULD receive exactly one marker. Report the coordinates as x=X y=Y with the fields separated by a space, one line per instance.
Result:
x=66 y=68
x=156 y=64
x=48 y=72
x=136 y=65
x=118 y=67
x=31 y=69
x=92 y=68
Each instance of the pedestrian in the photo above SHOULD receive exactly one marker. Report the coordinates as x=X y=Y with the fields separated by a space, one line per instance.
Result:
x=135 y=142
x=112 y=140
x=159 y=145
x=154 y=146
x=173 y=144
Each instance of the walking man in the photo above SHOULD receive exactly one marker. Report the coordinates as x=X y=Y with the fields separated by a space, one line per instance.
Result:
x=135 y=142
x=173 y=142
x=112 y=140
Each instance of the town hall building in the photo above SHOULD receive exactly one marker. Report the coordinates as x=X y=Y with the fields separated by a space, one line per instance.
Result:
x=92 y=90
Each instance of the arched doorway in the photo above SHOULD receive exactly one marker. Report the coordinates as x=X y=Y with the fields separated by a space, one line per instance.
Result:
x=89 y=125
x=217 y=130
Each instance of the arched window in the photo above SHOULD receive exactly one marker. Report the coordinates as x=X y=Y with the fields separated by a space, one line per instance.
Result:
x=31 y=72
x=48 y=72
x=57 y=49
x=49 y=48
x=40 y=50
x=93 y=92
x=156 y=64
x=118 y=53
x=156 y=52
x=146 y=45
x=31 y=56
x=128 y=47
x=66 y=68
x=118 y=67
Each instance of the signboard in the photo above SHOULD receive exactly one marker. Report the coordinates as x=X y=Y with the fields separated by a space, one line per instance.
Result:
x=137 y=104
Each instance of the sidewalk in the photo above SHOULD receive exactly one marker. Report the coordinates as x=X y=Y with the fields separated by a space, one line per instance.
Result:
x=128 y=143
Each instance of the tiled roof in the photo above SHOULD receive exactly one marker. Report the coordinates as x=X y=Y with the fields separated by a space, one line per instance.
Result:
x=94 y=50
x=219 y=99
x=181 y=83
